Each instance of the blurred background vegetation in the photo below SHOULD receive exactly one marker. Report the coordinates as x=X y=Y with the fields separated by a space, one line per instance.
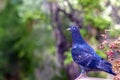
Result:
x=34 y=43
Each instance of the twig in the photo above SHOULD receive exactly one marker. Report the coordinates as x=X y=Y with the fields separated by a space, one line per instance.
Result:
x=72 y=17
x=69 y=5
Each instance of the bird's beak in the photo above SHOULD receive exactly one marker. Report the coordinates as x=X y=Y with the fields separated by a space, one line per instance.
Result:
x=68 y=29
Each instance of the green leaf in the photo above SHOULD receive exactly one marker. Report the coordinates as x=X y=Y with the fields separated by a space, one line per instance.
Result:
x=68 y=59
x=101 y=53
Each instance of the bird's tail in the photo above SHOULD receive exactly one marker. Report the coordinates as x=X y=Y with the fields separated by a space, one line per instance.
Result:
x=106 y=66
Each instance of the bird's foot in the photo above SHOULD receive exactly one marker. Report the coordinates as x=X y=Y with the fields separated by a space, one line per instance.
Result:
x=81 y=76
x=77 y=78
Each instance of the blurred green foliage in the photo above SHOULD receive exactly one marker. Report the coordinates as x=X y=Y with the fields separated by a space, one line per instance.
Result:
x=68 y=59
x=101 y=53
x=114 y=33
x=89 y=4
x=16 y=43
x=92 y=14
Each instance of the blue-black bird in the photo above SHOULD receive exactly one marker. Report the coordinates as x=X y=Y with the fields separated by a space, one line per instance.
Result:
x=85 y=56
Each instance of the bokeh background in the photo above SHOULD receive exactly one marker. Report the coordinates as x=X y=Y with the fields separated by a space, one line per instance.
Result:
x=34 y=43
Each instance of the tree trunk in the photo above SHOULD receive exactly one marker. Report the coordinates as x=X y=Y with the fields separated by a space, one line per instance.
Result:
x=12 y=77
x=61 y=43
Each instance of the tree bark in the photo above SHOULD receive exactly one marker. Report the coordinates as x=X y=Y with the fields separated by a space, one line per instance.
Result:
x=12 y=77
x=61 y=43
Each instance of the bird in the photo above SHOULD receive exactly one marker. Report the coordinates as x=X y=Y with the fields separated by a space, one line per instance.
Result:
x=85 y=56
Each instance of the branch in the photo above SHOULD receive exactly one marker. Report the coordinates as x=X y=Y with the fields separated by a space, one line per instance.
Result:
x=72 y=17
x=91 y=78
x=69 y=5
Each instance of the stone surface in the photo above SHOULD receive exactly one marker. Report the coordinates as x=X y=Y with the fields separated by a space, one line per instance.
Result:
x=90 y=78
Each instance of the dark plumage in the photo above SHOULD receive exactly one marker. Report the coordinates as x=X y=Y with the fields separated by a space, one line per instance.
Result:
x=85 y=56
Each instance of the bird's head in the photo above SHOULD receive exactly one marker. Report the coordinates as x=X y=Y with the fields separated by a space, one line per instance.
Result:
x=73 y=28
x=76 y=36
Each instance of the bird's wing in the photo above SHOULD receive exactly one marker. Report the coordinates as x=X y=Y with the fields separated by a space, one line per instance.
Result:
x=87 y=60
x=105 y=66
x=90 y=50
x=84 y=58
